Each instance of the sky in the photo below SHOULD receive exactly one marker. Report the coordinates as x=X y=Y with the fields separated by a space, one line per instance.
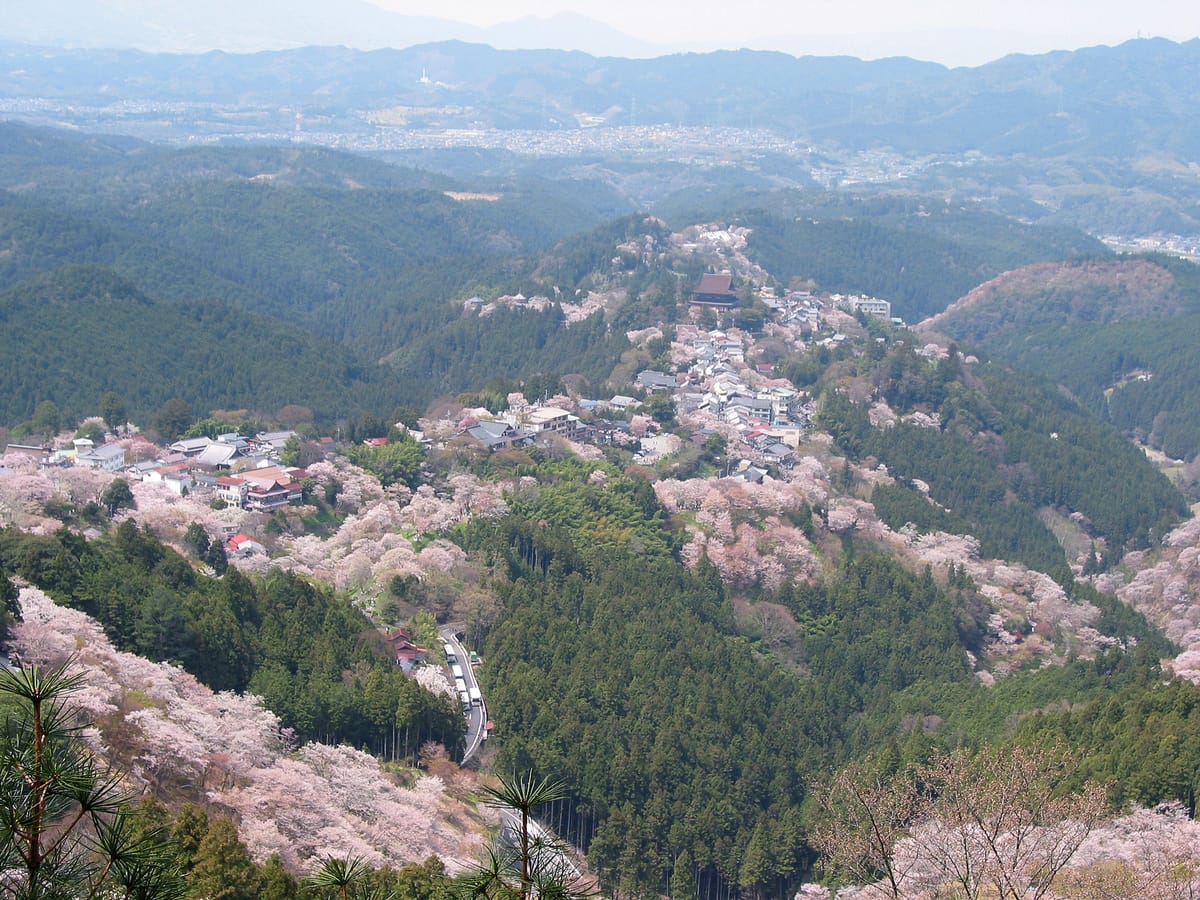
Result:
x=956 y=32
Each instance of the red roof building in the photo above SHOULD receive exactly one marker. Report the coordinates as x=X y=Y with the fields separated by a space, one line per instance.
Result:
x=715 y=290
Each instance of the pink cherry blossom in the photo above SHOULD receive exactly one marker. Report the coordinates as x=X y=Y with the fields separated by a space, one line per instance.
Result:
x=161 y=726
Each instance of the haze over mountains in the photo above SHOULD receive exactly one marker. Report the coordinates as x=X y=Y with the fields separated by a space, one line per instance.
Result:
x=180 y=26
x=176 y=26
x=1125 y=102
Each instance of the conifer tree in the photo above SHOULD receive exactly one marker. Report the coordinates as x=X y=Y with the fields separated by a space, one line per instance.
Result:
x=66 y=829
x=222 y=868
x=683 y=877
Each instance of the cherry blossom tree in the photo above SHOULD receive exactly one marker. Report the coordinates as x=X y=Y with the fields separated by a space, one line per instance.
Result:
x=996 y=823
x=163 y=727
x=65 y=825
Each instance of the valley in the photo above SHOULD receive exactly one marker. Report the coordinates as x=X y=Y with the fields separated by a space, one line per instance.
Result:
x=753 y=464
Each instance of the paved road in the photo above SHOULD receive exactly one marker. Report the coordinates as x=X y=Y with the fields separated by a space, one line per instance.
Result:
x=477 y=715
x=510 y=819
x=555 y=862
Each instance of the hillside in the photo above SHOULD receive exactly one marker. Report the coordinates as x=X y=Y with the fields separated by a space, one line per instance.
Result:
x=179 y=741
x=329 y=242
x=1003 y=311
x=1112 y=332
x=79 y=332
x=917 y=258
x=381 y=260
x=919 y=575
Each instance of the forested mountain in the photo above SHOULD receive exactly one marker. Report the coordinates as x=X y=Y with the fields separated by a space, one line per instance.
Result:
x=919 y=257
x=380 y=260
x=681 y=730
x=82 y=331
x=1115 y=333
x=1006 y=447
x=339 y=246
x=235 y=248
x=284 y=639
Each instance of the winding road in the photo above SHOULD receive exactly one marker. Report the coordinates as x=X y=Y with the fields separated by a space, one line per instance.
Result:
x=476 y=715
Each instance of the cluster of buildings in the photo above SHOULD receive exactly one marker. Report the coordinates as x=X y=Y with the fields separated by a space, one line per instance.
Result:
x=770 y=414
x=243 y=472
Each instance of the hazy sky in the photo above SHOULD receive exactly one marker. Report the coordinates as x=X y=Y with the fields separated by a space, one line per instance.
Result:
x=985 y=29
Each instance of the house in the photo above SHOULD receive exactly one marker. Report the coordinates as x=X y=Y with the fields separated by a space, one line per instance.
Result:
x=878 y=309
x=141 y=469
x=408 y=654
x=177 y=476
x=498 y=435
x=756 y=407
x=263 y=489
x=217 y=455
x=551 y=419
x=105 y=458
x=232 y=490
x=779 y=453
x=190 y=446
x=620 y=401
x=270 y=441
x=656 y=381
x=266 y=495
x=750 y=474
x=690 y=401
x=243 y=545
x=715 y=291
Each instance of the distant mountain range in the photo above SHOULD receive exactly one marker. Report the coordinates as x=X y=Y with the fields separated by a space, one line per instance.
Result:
x=247 y=26
x=1126 y=102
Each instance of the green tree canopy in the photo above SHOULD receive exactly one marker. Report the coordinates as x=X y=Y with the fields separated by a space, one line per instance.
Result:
x=173 y=418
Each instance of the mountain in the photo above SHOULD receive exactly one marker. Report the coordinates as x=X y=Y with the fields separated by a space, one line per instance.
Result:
x=1116 y=333
x=380 y=258
x=179 y=26
x=1121 y=101
x=688 y=649
x=79 y=332
x=920 y=259
x=375 y=257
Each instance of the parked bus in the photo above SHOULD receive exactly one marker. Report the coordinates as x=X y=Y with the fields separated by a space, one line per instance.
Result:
x=449 y=651
x=456 y=671
x=476 y=697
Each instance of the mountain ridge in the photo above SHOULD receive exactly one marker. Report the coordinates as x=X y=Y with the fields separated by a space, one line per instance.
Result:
x=1120 y=101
